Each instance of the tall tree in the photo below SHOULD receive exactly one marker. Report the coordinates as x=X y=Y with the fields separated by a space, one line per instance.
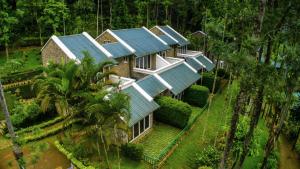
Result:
x=16 y=147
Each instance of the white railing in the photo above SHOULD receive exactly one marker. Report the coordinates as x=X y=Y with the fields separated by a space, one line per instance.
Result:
x=190 y=53
x=123 y=81
x=172 y=62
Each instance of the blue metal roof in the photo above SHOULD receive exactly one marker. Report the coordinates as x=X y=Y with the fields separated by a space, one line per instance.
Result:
x=180 y=78
x=182 y=41
x=193 y=63
x=209 y=66
x=151 y=85
x=167 y=39
x=78 y=43
x=117 y=49
x=141 y=40
x=140 y=107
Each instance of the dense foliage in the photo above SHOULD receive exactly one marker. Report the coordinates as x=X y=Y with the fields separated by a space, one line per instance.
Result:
x=209 y=156
x=196 y=95
x=208 y=81
x=172 y=111
x=132 y=151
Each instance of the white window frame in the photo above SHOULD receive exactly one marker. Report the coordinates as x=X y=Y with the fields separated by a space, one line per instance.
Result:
x=141 y=62
x=125 y=59
x=162 y=54
x=145 y=129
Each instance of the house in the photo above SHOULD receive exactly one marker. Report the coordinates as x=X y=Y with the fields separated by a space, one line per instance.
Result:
x=179 y=49
x=148 y=65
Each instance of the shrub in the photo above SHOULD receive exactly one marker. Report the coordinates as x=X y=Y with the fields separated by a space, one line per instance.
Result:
x=223 y=74
x=209 y=156
x=205 y=167
x=25 y=114
x=196 y=95
x=298 y=147
x=273 y=161
x=208 y=81
x=133 y=151
x=173 y=112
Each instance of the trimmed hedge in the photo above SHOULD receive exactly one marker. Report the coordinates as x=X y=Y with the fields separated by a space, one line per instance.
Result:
x=196 y=95
x=21 y=76
x=208 y=81
x=173 y=112
x=70 y=156
x=133 y=151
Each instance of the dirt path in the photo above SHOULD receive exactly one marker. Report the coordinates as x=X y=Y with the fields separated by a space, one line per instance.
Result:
x=288 y=158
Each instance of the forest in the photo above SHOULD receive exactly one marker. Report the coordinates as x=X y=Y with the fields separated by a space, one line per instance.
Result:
x=244 y=112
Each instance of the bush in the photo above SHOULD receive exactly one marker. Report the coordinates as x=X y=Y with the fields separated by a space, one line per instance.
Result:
x=208 y=81
x=196 y=95
x=273 y=160
x=21 y=76
x=209 y=156
x=132 y=151
x=25 y=114
x=173 y=112
x=223 y=74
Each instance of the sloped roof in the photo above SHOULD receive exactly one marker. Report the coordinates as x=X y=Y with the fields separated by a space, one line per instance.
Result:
x=151 y=85
x=181 y=40
x=180 y=78
x=117 y=49
x=79 y=43
x=194 y=63
x=141 y=40
x=140 y=107
x=167 y=39
x=205 y=61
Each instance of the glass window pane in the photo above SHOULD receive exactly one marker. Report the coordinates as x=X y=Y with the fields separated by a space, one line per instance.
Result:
x=149 y=61
x=136 y=130
x=146 y=62
x=147 y=122
x=137 y=62
x=142 y=128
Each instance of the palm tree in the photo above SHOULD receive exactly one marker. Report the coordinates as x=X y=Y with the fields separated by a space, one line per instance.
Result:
x=16 y=148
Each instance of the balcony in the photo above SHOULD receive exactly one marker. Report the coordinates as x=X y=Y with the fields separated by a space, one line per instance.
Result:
x=189 y=53
x=122 y=82
x=161 y=64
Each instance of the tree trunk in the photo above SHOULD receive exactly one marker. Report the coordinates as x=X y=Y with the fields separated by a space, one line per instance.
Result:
x=105 y=149
x=233 y=126
x=110 y=14
x=6 y=50
x=295 y=142
x=102 y=24
x=147 y=14
x=97 y=19
x=16 y=148
x=98 y=146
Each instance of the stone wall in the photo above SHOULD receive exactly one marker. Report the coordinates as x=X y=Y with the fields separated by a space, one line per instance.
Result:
x=53 y=53
x=172 y=52
x=106 y=37
x=123 y=68
x=156 y=31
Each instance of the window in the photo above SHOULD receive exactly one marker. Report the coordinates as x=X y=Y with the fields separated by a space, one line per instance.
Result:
x=183 y=49
x=125 y=59
x=162 y=54
x=147 y=121
x=143 y=62
x=106 y=41
x=142 y=127
x=136 y=131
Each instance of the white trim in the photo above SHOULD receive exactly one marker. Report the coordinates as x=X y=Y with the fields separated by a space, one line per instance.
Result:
x=101 y=48
x=166 y=62
x=46 y=43
x=154 y=35
x=189 y=66
x=196 y=60
x=121 y=41
x=207 y=59
x=166 y=84
x=166 y=34
x=65 y=49
x=177 y=33
x=142 y=91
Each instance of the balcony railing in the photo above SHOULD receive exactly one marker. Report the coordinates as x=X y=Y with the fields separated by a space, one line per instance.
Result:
x=122 y=81
x=189 y=53
x=162 y=64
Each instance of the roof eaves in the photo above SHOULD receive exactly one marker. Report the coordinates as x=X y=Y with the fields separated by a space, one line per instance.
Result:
x=155 y=36
x=101 y=48
x=65 y=49
x=121 y=41
x=167 y=34
x=142 y=92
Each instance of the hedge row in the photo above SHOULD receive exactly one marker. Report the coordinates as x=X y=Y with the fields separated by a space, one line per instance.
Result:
x=21 y=76
x=70 y=156
x=47 y=133
x=208 y=81
x=173 y=112
x=196 y=95
x=40 y=126
x=133 y=151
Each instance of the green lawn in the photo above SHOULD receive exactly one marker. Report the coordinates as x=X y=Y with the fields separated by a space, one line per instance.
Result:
x=158 y=139
x=212 y=121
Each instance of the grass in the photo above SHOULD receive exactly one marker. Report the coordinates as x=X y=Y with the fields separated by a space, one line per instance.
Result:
x=253 y=161
x=212 y=120
x=158 y=139
x=29 y=59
